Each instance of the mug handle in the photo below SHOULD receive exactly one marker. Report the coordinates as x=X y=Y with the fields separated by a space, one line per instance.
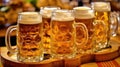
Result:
x=7 y=38
x=114 y=18
x=81 y=34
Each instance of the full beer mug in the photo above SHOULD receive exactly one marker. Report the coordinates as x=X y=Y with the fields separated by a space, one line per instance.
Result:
x=46 y=13
x=102 y=12
x=29 y=35
x=86 y=16
x=64 y=34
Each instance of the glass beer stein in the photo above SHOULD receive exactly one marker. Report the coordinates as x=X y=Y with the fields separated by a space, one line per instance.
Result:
x=102 y=11
x=86 y=16
x=29 y=35
x=64 y=35
x=46 y=13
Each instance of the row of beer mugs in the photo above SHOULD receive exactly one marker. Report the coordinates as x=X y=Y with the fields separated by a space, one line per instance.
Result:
x=61 y=33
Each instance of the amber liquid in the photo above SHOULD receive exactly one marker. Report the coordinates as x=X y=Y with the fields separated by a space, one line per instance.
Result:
x=46 y=34
x=29 y=42
x=89 y=24
x=62 y=39
x=102 y=16
x=103 y=34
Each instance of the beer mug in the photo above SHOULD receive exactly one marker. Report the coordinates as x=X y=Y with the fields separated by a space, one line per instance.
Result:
x=86 y=16
x=46 y=13
x=100 y=35
x=29 y=35
x=64 y=33
x=102 y=12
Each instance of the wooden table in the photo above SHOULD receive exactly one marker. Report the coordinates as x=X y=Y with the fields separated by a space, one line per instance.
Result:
x=98 y=59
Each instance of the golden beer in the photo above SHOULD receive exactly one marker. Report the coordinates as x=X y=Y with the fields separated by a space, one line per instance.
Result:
x=29 y=40
x=29 y=35
x=90 y=27
x=85 y=15
x=46 y=13
x=46 y=34
x=102 y=10
x=62 y=34
x=102 y=16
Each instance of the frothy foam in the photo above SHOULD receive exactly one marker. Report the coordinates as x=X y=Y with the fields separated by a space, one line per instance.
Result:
x=83 y=12
x=83 y=8
x=47 y=11
x=63 y=15
x=101 y=6
x=29 y=18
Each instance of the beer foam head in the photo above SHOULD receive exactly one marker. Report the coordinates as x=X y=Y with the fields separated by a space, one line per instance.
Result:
x=82 y=8
x=101 y=6
x=83 y=12
x=63 y=15
x=47 y=11
x=29 y=18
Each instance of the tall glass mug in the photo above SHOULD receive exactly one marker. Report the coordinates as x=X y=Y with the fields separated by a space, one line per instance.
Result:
x=63 y=34
x=46 y=13
x=102 y=10
x=29 y=35
x=86 y=16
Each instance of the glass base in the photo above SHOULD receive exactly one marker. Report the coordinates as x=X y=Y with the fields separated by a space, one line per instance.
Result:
x=29 y=59
x=62 y=56
x=100 y=47
x=16 y=57
x=80 y=51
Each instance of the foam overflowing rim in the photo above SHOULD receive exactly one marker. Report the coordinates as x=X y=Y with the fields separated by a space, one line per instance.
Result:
x=49 y=8
x=101 y=6
x=63 y=15
x=29 y=18
x=28 y=13
x=82 y=8
x=99 y=3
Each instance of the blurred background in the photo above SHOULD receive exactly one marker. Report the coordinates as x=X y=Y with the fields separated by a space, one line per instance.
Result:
x=9 y=10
